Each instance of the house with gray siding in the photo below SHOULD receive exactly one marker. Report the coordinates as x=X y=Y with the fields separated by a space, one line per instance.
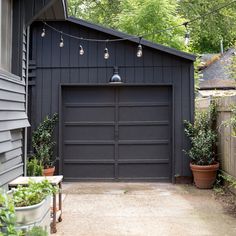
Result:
x=16 y=18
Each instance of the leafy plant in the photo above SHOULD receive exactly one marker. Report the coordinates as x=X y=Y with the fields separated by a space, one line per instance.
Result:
x=202 y=135
x=34 y=167
x=8 y=220
x=42 y=141
x=37 y=231
x=7 y=216
x=33 y=194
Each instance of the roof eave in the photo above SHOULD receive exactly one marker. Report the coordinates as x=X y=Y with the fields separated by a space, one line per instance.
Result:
x=119 y=34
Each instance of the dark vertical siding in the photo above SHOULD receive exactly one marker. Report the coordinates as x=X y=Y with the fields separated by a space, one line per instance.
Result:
x=55 y=66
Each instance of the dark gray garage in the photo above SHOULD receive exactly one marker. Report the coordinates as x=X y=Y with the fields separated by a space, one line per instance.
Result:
x=128 y=131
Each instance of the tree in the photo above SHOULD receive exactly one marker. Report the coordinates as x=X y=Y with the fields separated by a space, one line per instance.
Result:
x=136 y=17
x=207 y=32
x=97 y=11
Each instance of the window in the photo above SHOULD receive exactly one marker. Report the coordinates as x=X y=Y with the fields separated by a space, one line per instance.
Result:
x=5 y=34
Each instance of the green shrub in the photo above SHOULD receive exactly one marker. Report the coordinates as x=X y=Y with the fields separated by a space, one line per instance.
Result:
x=203 y=136
x=42 y=141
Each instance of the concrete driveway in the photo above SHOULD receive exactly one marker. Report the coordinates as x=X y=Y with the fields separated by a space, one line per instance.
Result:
x=102 y=209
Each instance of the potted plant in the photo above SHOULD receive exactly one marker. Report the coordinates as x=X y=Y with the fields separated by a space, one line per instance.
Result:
x=32 y=204
x=25 y=211
x=43 y=144
x=203 y=136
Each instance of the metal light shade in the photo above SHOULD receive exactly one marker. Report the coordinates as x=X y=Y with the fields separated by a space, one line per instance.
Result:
x=115 y=78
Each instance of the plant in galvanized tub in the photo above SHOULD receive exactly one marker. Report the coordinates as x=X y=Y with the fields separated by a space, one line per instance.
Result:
x=32 y=204
x=43 y=144
x=203 y=137
x=8 y=220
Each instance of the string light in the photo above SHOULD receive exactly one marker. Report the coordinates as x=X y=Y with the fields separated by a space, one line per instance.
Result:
x=187 y=35
x=43 y=34
x=106 y=52
x=139 y=49
x=61 y=44
x=81 y=50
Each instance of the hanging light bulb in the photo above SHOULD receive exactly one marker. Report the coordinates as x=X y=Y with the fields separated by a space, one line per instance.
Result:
x=43 y=34
x=187 y=35
x=61 y=42
x=140 y=48
x=187 y=39
x=106 y=53
x=81 y=50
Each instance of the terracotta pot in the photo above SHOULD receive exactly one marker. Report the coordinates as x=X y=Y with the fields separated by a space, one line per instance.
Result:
x=204 y=176
x=49 y=171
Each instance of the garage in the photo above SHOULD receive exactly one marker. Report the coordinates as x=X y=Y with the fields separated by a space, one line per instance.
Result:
x=117 y=133
x=127 y=131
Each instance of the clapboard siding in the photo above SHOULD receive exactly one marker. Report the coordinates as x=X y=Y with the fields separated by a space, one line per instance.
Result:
x=13 y=119
x=54 y=66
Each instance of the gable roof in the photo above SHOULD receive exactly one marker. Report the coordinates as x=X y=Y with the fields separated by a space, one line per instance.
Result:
x=121 y=35
x=217 y=73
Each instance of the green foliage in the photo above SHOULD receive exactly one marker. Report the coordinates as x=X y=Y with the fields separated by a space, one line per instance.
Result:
x=34 y=167
x=7 y=216
x=207 y=32
x=137 y=17
x=36 y=231
x=140 y=17
x=42 y=141
x=33 y=194
x=202 y=135
x=98 y=11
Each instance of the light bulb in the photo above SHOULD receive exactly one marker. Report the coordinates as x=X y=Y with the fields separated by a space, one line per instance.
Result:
x=43 y=33
x=81 y=50
x=187 y=39
x=106 y=53
x=139 y=51
x=61 y=42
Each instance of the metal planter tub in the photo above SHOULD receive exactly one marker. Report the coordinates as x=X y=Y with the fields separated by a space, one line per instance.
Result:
x=36 y=215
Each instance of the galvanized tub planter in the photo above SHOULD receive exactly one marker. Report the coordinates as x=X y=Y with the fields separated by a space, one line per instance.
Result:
x=35 y=215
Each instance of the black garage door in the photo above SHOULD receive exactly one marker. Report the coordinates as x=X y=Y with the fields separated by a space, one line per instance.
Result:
x=116 y=133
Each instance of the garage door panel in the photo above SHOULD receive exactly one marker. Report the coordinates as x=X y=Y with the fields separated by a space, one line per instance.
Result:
x=143 y=95
x=86 y=132
x=143 y=132
x=145 y=151
x=119 y=132
x=88 y=96
x=89 y=152
x=145 y=113
x=88 y=171
x=89 y=114
x=142 y=171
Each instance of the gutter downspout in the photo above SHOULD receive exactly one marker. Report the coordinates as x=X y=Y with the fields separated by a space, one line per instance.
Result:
x=26 y=99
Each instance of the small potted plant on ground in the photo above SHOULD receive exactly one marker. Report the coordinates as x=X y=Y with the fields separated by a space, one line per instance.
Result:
x=43 y=144
x=202 y=135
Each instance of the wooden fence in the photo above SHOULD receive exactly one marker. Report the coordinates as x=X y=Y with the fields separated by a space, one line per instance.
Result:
x=226 y=146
